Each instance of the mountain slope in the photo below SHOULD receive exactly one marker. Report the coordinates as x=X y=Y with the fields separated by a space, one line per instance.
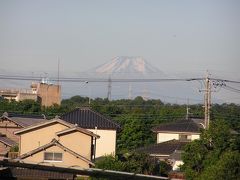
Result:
x=127 y=65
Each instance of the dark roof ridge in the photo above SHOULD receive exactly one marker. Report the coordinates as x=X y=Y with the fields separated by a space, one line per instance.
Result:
x=178 y=126
x=12 y=114
x=105 y=117
x=88 y=118
x=163 y=148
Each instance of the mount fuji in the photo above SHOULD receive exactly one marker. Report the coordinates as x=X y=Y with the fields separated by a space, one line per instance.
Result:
x=126 y=66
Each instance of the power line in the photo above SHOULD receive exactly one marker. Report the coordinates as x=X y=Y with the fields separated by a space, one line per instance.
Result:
x=76 y=79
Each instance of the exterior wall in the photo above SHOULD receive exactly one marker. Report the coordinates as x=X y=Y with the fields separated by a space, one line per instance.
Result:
x=77 y=142
x=23 y=96
x=68 y=159
x=195 y=136
x=8 y=128
x=106 y=144
x=49 y=94
x=162 y=137
x=39 y=137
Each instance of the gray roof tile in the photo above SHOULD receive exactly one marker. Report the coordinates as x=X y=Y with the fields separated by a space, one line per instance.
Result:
x=89 y=119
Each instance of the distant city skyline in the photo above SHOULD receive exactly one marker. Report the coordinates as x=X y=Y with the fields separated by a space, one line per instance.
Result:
x=181 y=38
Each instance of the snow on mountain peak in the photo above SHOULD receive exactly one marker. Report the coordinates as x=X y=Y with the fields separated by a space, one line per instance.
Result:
x=126 y=64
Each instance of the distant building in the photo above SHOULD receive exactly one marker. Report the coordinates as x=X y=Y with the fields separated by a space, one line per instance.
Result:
x=171 y=139
x=57 y=143
x=47 y=94
x=17 y=95
x=98 y=124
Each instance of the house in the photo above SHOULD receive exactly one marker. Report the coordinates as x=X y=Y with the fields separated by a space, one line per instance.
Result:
x=98 y=124
x=171 y=139
x=57 y=142
x=185 y=130
x=13 y=122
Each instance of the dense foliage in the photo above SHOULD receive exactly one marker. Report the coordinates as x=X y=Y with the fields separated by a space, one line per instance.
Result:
x=215 y=155
x=136 y=116
x=134 y=162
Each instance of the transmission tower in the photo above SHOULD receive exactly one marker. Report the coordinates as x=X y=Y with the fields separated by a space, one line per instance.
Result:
x=109 y=94
x=130 y=91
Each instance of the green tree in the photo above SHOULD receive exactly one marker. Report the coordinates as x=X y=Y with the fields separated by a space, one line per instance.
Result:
x=135 y=163
x=216 y=149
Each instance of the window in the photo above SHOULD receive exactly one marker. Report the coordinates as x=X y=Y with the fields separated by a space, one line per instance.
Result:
x=185 y=137
x=52 y=156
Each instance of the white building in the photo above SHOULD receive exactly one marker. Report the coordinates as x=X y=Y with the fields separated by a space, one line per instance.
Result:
x=171 y=139
x=98 y=124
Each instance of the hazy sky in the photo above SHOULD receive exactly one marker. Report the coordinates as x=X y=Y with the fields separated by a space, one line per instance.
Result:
x=176 y=36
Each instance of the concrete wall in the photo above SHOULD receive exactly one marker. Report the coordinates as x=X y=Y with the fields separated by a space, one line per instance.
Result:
x=77 y=142
x=49 y=94
x=106 y=144
x=24 y=96
x=68 y=159
x=39 y=137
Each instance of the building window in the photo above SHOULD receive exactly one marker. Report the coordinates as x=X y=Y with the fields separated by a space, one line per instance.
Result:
x=185 y=137
x=52 y=156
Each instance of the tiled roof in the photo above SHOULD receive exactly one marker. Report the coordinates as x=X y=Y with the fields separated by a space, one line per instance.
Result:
x=42 y=124
x=164 y=148
x=89 y=119
x=178 y=126
x=5 y=140
x=24 y=120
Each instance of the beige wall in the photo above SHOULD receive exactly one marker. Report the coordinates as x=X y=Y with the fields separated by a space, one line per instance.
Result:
x=39 y=137
x=68 y=159
x=195 y=136
x=23 y=96
x=162 y=137
x=77 y=142
x=106 y=144
x=49 y=94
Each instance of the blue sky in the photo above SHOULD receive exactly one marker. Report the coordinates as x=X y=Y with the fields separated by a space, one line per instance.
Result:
x=176 y=36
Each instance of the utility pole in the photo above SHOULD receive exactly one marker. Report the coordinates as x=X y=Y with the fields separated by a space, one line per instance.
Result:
x=207 y=101
x=187 y=115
